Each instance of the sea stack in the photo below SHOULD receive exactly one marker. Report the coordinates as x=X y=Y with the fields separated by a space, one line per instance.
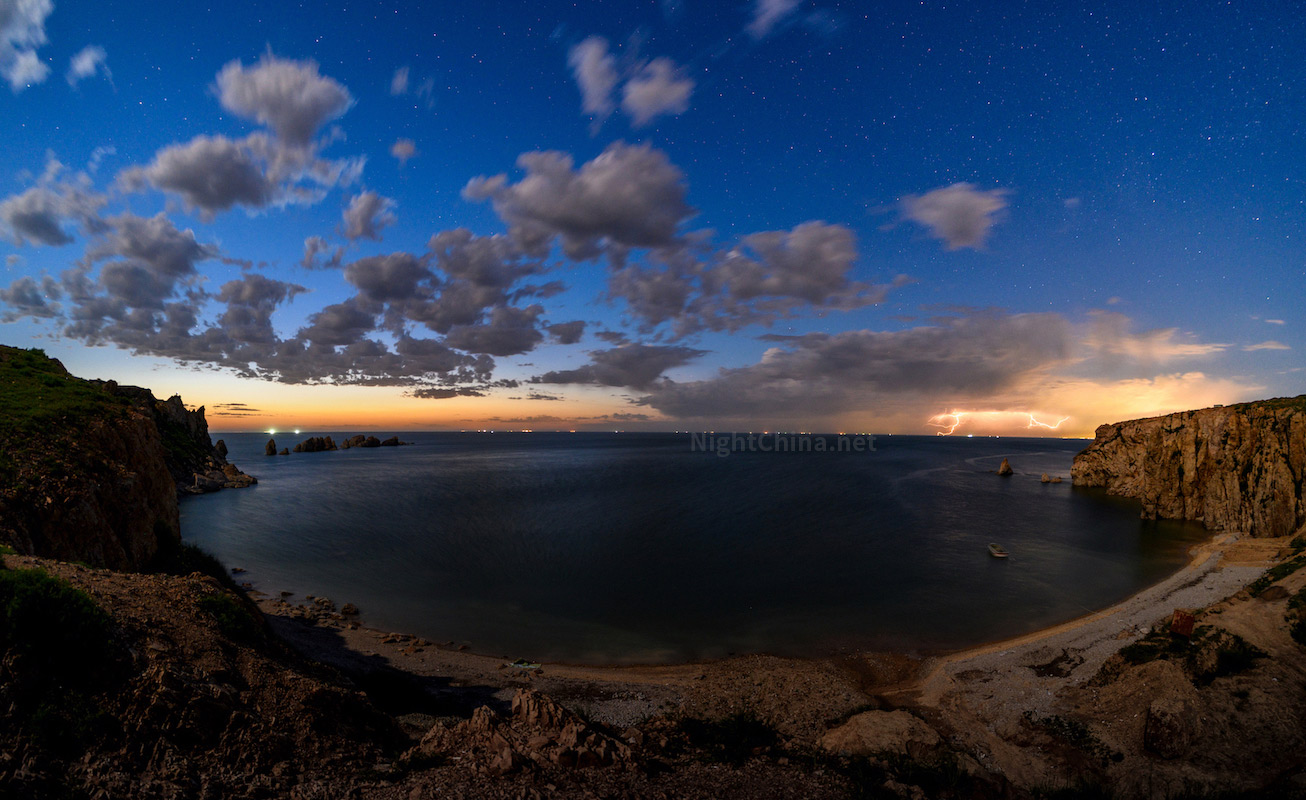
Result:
x=1004 y=469
x=270 y=448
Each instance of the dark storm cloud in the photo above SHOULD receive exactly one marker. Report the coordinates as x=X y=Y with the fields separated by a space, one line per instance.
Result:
x=567 y=332
x=290 y=97
x=636 y=366
x=367 y=214
x=631 y=196
x=821 y=373
x=960 y=215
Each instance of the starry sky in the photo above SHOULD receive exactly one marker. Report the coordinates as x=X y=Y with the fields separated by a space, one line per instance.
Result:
x=920 y=217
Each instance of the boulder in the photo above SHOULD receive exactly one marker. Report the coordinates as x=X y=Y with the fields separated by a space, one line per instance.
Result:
x=1045 y=478
x=221 y=448
x=393 y=441
x=285 y=451
x=270 y=448
x=1004 y=469
x=874 y=732
x=371 y=441
x=204 y=483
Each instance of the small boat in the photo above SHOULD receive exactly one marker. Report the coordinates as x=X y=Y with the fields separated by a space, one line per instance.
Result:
x=996 y=551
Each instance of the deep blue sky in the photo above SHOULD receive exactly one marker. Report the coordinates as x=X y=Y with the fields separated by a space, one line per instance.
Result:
x=1100 y=208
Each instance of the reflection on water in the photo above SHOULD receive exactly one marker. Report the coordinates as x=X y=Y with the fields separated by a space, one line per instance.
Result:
x=632 y=547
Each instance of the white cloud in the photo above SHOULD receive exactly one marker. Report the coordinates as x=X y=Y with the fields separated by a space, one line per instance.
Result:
x=767 y=14
x=367 y=214
x=399 y=83
x=659 y=88
x=403 y=149
x=1275 y=321
x=1267 y=345
x=22 y=31
x=290 y=97
x=595 y=71
x=959 y=215
x=88 y=61
x=632 y=196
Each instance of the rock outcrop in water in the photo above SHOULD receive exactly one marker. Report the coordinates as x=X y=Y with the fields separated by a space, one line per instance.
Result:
x=1004 y=469
x=1232 y=468
x=315 y=444
x=90 y=471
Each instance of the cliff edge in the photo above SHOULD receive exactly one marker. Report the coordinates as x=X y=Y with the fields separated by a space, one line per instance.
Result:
x=1233 y=468
x=91 y=471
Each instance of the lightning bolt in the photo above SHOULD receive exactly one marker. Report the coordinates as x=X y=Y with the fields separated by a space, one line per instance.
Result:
x=956 y=417
x=1033 y=423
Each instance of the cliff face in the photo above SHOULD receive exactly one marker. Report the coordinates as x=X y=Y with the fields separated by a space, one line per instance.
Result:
x=90 y=471
x=195 y=464
x=1234 y=468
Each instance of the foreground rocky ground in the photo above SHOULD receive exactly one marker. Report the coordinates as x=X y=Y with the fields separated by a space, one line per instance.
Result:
x=177 y=686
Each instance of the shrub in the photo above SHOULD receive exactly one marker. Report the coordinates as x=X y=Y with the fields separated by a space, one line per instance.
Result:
x=61 y=647
x=46 y=620
x=233 y=619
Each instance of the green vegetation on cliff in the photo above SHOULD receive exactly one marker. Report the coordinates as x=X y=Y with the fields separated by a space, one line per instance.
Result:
x=40 y=406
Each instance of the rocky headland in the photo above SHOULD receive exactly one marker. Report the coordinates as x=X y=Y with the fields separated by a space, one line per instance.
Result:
x=90 y=471
x=1232 y=468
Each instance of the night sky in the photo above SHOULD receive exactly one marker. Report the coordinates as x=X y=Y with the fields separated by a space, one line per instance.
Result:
x=894 y=217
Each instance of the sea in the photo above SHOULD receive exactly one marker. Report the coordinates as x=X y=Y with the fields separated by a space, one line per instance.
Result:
x=619 y=548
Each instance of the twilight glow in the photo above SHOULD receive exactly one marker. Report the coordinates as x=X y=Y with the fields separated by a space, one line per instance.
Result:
x=663 y=216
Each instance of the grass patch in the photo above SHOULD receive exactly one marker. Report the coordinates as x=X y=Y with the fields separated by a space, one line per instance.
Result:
x=6 y=550
x=46 y=620
x=733 y=739
x=1077 y=734
x=1277 y=573
x=36 y=391
x=1297 y=403
x=234 y=620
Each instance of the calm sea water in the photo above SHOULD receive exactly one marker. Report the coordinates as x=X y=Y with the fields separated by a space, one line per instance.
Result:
x=630 y=547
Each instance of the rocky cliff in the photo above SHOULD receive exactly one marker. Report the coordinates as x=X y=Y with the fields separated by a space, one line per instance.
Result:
x=1232 y=468
x=90 y=471
x=196 y=464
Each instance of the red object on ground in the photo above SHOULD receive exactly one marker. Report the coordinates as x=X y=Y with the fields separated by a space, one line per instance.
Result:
x=1181 y=624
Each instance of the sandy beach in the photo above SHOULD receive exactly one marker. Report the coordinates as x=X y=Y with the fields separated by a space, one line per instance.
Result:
x=802 y=696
